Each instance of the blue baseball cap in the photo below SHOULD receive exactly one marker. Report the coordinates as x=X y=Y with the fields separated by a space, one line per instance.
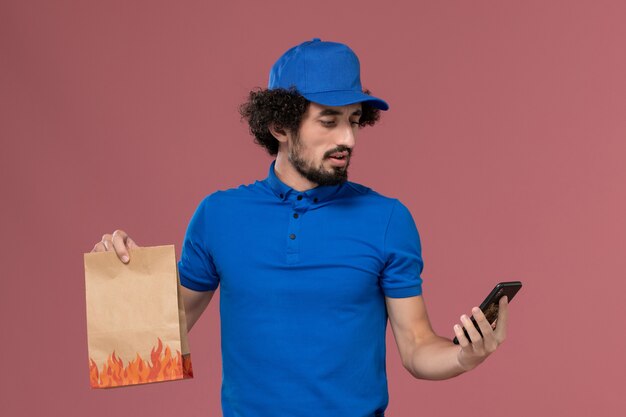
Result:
x=326 y=73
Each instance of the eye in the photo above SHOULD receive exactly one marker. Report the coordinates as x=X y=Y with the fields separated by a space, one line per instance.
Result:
x=327 y=123
x=355 y=123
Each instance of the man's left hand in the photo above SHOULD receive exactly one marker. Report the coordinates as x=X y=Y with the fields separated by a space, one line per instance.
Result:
x=474 y=351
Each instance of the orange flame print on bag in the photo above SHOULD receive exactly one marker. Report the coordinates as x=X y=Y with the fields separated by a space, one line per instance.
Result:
x=163 y=367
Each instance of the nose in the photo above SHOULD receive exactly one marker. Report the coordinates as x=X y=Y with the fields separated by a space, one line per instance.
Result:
x=347 y=136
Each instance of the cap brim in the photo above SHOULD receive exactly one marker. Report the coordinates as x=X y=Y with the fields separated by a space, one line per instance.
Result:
x=344 y=98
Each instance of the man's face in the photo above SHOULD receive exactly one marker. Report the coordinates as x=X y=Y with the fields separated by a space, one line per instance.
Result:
x=325 y=131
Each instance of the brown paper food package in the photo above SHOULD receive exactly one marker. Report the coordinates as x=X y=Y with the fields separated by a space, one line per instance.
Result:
x=136 y=326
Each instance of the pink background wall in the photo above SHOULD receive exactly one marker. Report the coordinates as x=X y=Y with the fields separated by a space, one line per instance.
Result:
x=505 y=138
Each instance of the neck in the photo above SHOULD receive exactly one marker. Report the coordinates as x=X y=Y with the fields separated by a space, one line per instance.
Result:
x=289 y=175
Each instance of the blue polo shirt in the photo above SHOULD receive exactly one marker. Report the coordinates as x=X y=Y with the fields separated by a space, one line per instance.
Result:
x=303 y=277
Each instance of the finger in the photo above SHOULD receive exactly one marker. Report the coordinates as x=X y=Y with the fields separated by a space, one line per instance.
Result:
x=471 y=330
x=99 y=247
x=490 y=342
x=483 y=323
x=106 y=242
x=460 y=336
x=481 y=320
x=503 y=317
x=131 y=243
x=119 y=243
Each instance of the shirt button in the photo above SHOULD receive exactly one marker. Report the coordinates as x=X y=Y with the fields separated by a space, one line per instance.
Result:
x=295 y=215
x=315 y=200
x=299 y=197
x=281 y=196
x=292 y=236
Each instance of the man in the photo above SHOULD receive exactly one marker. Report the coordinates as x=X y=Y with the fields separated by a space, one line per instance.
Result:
x=311 y=265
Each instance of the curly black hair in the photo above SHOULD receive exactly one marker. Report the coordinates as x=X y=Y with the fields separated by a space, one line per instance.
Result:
x=285 y=108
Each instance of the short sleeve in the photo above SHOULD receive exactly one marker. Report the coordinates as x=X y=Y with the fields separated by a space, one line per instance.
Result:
x=401 y=276
x=196 y=269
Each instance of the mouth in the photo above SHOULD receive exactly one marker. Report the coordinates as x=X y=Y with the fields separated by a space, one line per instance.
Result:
x=339 y=160
x=339 y=156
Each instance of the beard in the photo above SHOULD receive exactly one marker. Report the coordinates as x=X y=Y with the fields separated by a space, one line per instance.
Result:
x=318 y=175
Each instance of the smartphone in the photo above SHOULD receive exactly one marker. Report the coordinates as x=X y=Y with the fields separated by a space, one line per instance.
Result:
x=490 y=305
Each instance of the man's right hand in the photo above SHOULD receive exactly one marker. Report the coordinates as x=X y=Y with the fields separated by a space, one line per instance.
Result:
x=119 y=242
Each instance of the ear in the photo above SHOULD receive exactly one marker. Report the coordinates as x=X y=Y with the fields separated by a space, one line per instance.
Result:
x=278 y=132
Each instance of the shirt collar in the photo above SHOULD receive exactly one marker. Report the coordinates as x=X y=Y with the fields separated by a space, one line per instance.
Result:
x=283 y=191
